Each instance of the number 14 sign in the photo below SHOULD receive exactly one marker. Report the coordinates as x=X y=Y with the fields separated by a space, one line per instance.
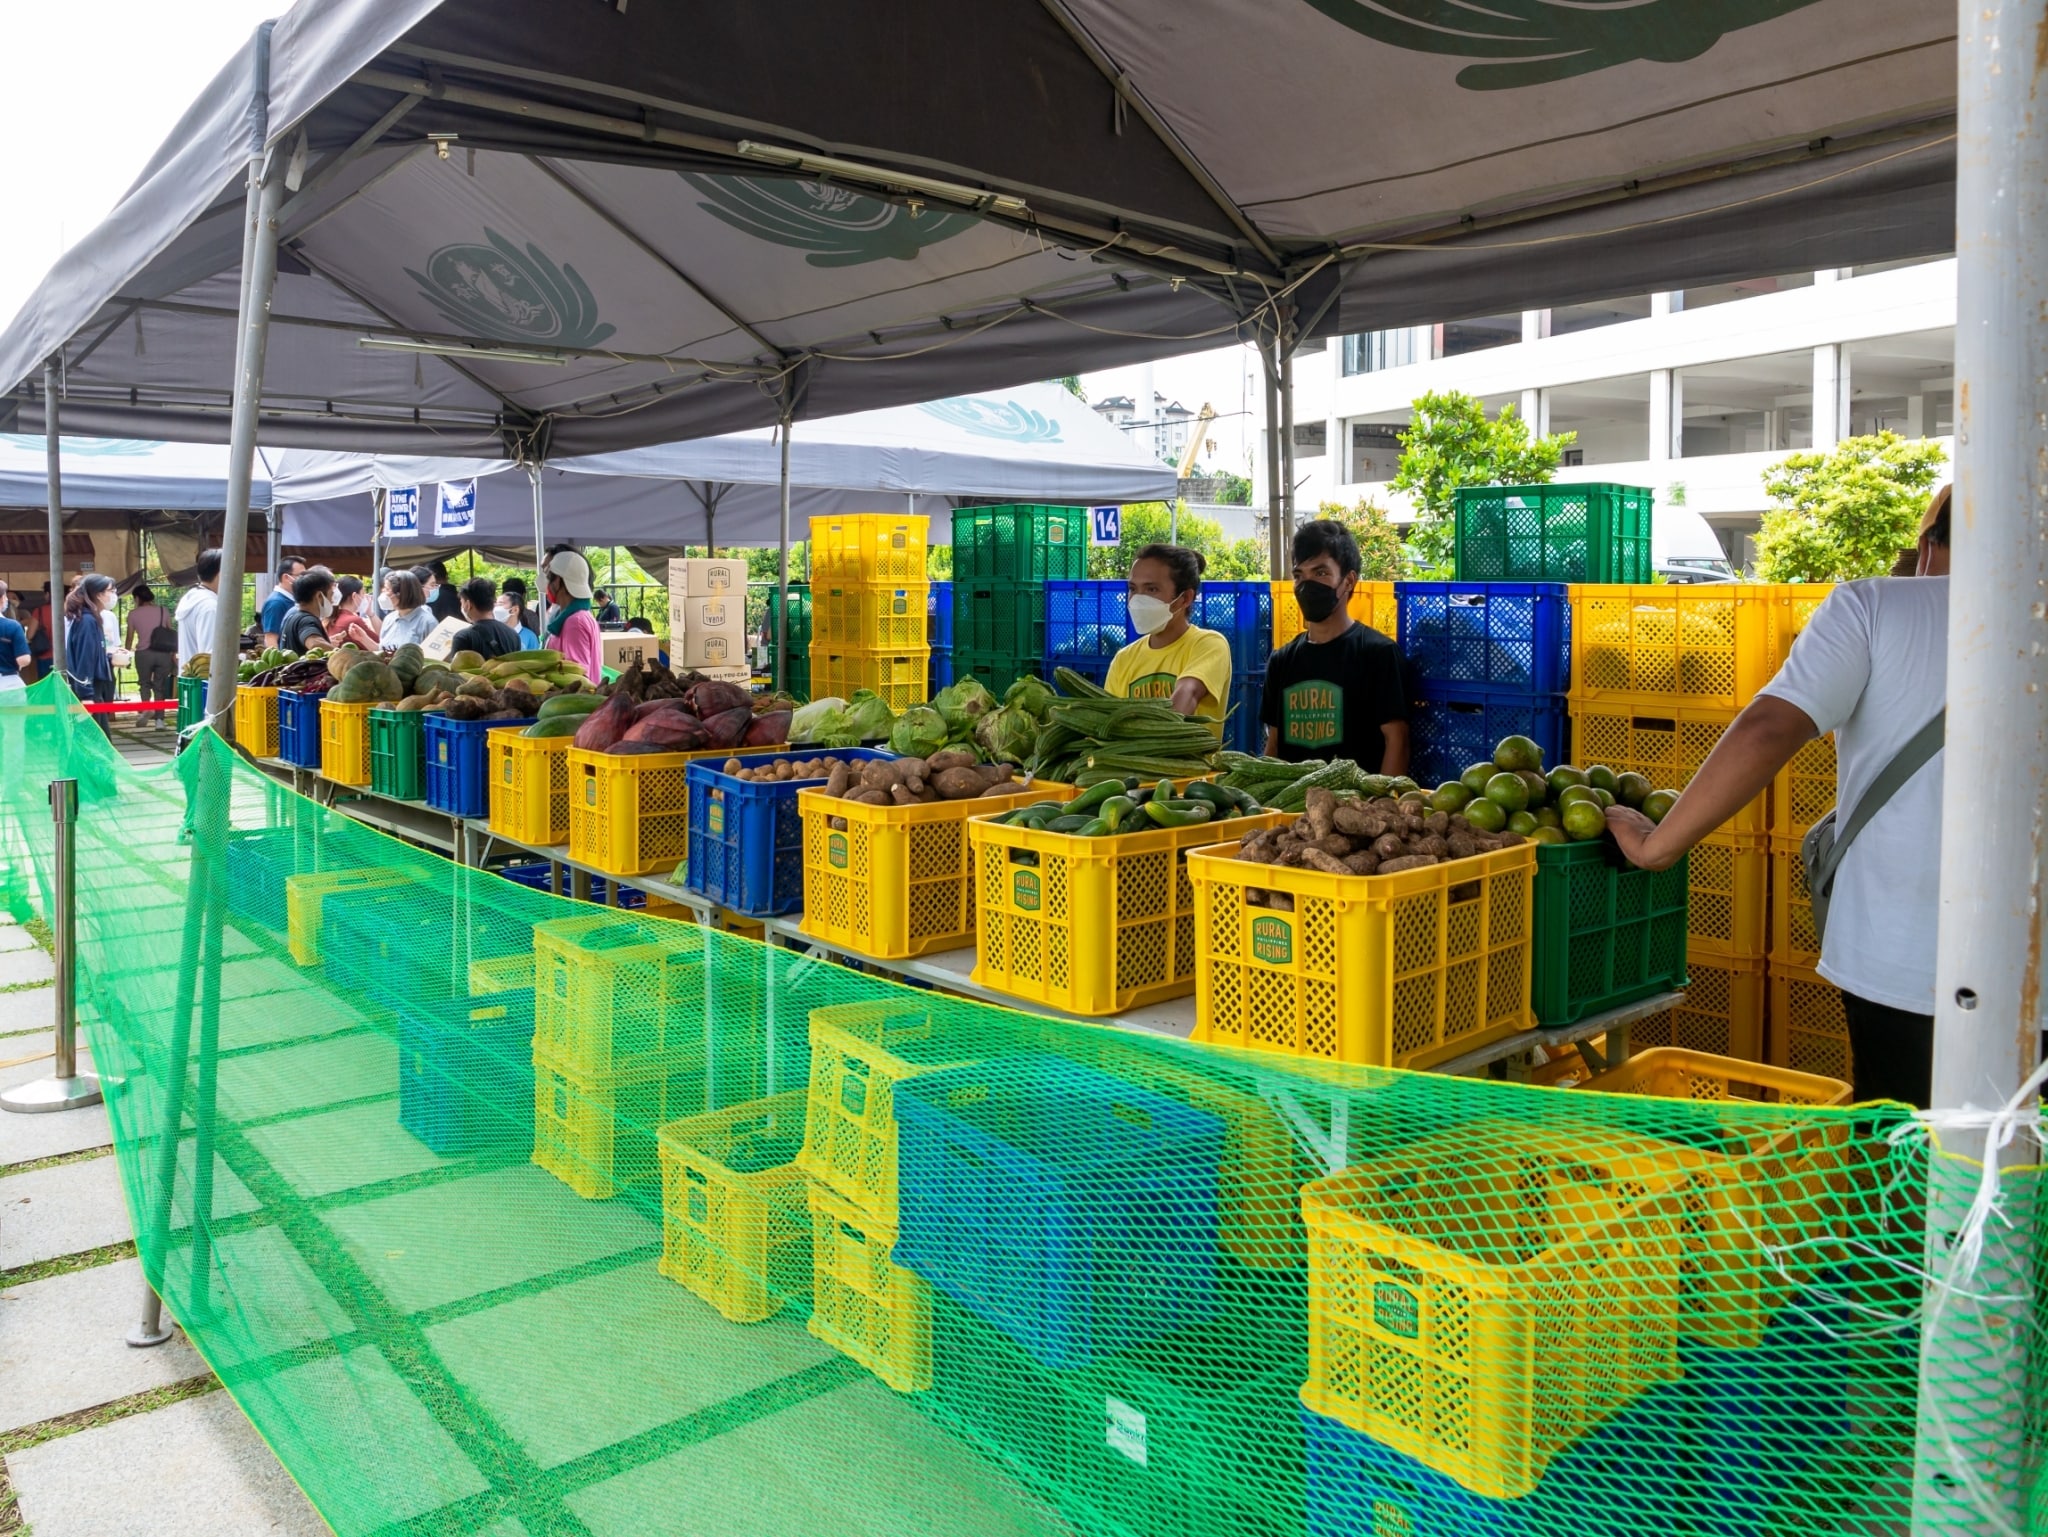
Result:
x=1105 y=525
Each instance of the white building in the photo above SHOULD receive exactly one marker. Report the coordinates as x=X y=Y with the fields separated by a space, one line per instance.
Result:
x=1693 y=394
x=1168 y=423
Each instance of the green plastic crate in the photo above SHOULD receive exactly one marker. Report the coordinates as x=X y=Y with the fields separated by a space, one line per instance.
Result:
x=398 y=756
x=1606 y=933
x=1020 y=543
x=1000 y=618
x=799 y=680
x=1556 y=533
x=191 y=701
x=997 y=670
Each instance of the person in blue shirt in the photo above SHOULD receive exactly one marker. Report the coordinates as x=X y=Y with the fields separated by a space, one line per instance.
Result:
x=86 y=663
x=14 y=661
x=281 y=602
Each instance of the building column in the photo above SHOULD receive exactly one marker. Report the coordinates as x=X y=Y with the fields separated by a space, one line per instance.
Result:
x=1663 y=425
x=1667 y=303
x=1830 y=395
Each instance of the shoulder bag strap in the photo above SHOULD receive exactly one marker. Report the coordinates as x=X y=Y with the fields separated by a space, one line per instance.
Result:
x=1906 y=762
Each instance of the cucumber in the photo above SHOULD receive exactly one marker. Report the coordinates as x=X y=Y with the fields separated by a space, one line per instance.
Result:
x=554 y=725
x=1069 y=824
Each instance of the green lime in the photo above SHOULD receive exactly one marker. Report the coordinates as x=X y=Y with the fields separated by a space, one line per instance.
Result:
x=1418 y=795
x=1547 y=835
x=1485 y=815
x=1508 y=791
x=1605 y=797
x=1658 y=803
x=1631 y=788
x=1539 y=787
x=1601 y=777
x=1573 y=794
x=1584 y=821
x=1521 y=822
x=1450 y=796
x=1563 y=777
x=1517 y=752
x=1546 y=816
x=1475 y=777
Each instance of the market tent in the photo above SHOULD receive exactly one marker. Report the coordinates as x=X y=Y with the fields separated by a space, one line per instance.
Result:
x=1035 y=443
x=123 y=475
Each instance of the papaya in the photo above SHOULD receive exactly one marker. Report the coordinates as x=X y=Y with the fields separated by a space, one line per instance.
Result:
x=554 y=725
x=578 y=705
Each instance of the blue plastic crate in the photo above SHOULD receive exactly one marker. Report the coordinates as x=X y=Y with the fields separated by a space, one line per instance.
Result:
x=1243 y=731
x=746 y=839
x=938 y=617
x=539 y=877
x=298 y=728
x=1450 y=729
x=1242 y=612
x=1086 y=623
x=258 y=864
x=940 y=670
x=381 y=942
x=1070 y=1209
x=459 y=763
x=465 y=1071
x=1506 y=636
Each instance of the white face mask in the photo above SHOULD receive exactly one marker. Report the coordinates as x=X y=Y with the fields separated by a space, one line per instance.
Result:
x=326 y=608
x=1148 y=615
x=502 y=612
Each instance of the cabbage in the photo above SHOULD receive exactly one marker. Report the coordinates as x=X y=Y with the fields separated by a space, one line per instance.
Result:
x=870 y=712
x=1032 y=696
x=1008 y=735
x=964 y=703
x=919 y=732
x=804 y=724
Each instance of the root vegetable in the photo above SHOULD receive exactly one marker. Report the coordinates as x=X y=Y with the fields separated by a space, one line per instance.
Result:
x=835 y=787
x=1389 y=846
x=1316 y=859
x=1429 y=844
x=951 y=758
x=903 y=797
x=1461 y=844
x=1407 y=862
x=880 y=774
x=1359 y=821
x=1336 y=845
x=1320 y=814
x=958 y=783
x=1437 y=822
x=1363 y=864
x=913 y=768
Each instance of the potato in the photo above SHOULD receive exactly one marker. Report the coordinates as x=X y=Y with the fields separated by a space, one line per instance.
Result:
x=732 y=766
x=880 y=774
x=957 y=783
x=951 y=758
x=903 y=797
x=872 y=797
x=841 y=778
x=913 y=768
x=1407 y=862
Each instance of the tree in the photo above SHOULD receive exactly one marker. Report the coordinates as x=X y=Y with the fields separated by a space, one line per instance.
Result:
x=1847 y=513
x=1232 y=489
x=1452 y=443
x=1071 y=383
x=1381 y=557
x=1229 y=560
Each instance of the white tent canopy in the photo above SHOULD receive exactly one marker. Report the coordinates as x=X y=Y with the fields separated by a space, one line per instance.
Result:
x=1034 y=443
x=122 y=474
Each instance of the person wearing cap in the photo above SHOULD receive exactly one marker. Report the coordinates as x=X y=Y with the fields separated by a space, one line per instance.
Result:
x=1872 y=667
x=572 y=630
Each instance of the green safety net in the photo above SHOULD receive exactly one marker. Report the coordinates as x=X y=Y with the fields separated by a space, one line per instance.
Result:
x=502 y=1213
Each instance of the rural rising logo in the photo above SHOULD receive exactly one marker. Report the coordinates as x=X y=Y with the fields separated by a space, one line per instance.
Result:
x=498 y=291
x=836 y=227
x=1273 y=941
x=1004 y=420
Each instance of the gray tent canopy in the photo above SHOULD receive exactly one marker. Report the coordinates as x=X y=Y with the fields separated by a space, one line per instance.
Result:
x=504 y=235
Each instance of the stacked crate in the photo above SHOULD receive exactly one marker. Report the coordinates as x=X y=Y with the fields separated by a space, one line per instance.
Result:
x=1003 y=560
x=869 y=597
x=1483 y=660
x=707 y=617
x=795 y=676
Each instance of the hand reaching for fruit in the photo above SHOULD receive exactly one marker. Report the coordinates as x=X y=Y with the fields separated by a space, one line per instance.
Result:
x=1632 y=834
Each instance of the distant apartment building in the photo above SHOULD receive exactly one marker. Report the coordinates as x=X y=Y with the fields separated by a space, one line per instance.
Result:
x=1693 y=393
x=1163 y=431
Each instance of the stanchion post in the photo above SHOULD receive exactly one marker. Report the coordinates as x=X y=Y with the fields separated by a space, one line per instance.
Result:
x=67 y=1088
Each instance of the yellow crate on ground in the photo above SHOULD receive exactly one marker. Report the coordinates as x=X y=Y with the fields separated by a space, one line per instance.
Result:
x=501 y=974
x=304 y=894
x=1723 y=1012
x=1792 y=605
x=869 y=616
x=1486 y=1298
x=1727 y=895
x=859 y=1053
x=736 y=1228
x=1809 y=1030
x=1372 y=604
x=1402 y=970
x=617 y=992
x=869 y=547
x=345 y=742
x=256 y=721
x=893 y=881
x=1089 y=925
x=899 y=676
x=862 y=1304
x=1793 y=941
x=1767 y=1208
x=595 y=1132
x=1664 y=743
x=630 y=814
x=1706 y=645
x=1804 y=790
x=529 y=786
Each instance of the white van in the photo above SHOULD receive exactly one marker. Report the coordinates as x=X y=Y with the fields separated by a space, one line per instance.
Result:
x=1684 y=549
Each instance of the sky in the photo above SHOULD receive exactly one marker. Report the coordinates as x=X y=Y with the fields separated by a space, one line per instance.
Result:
x=93 y=86
x=1226 y=378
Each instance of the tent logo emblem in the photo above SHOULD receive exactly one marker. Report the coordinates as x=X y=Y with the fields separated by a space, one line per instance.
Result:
x=83 y=448
x=1537 y=42
x=839 y=228
x=1002 y=419
x=498 y=291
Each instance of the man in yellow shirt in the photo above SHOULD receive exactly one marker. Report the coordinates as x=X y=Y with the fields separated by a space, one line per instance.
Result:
x=1171 y=660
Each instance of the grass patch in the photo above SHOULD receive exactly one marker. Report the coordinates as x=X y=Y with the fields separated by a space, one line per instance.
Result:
x=11 y=1524
x=64 y=1264
x=38 y=929
x=83 y=1155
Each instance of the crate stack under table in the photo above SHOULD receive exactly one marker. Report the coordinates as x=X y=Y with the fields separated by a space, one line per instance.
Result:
x=1483 y=660
x=1005 y=560
x=870 y=592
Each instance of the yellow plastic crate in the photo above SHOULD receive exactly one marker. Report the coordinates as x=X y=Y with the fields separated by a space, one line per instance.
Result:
x=615 y=992
x=256 y=721
x=859 y=1053
x=501 y=974
x=893 y=881
x=1809 y=1031
x=1486 y=1298
x=899 y=676
x=869 y=547
x=303 y=895
x=1804 y=790
x=1792 y=605
x=1728 y=881
x=529 y=787
x=1402 y=970
x=1089 y=925
x=1765 y=1214
x=1723 y=1012
x=862 y=1304
x=736 y=1229
x=596 y=1132
x=345 y=742
x=630 y=815
x=1372 y=603
x=1706 y=645
x=1793 y=941
x=1665 y=744
x=869 y=616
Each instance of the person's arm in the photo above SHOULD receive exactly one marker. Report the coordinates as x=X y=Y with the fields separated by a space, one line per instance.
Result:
x=1188 y=694
x=1272 y=741
x=1207 y=675
x=1752 y=750
x=1394 y=756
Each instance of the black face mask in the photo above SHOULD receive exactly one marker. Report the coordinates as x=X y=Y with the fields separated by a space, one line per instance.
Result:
x=1318 y=600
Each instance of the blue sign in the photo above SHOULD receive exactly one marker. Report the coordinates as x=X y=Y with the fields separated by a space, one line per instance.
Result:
x=402 y=512
x=456 y=514
x=1105 y=525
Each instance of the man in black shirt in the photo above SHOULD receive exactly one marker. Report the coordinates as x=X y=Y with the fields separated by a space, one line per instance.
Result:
x=1335 y=690
x=486 y=635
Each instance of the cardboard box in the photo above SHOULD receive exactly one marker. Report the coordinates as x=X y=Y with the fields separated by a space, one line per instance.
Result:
x=709 y=632
x=709 y=650
x=709 y=578
x=624 y=647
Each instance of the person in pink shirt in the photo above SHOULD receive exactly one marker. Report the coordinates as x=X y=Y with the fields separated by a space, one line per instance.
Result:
x=572 y=628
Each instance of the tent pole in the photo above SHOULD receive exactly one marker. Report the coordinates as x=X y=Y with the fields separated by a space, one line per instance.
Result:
x=1275 y=539
x=259 y=277
x=1287 y=430
x=1987 y=989
x=782 y=560
x=270 y=540
x=540 y=557
x=54 y=473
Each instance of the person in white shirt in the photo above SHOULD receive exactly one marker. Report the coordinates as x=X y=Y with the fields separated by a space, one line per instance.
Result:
x=196 y=608
x=1872 y=667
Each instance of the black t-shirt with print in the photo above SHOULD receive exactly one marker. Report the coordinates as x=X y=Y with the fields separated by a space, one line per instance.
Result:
x=1330 y=700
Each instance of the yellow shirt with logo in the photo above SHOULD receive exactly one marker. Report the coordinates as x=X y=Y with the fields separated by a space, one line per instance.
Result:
x=1141 y=671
